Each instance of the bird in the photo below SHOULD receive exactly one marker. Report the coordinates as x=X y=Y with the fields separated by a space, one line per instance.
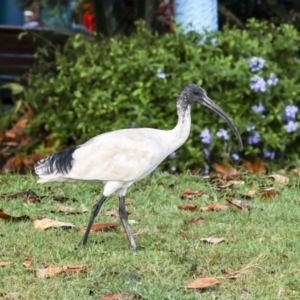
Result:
x=120 y=158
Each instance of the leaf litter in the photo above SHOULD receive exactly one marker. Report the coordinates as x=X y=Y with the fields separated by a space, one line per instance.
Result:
x=201 y=283
x=52 y=271
x=7 y=217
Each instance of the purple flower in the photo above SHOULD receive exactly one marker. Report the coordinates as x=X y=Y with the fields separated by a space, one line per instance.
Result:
x=206 y=152
x=291 y=110
x=272 y=80
x=256 y=63
x=235 y=156
x=250 y=126
x=253 y=138
x=205 y=136
x=291 y=126
x=257 y=84
x=258 y=108
x=173 y=154
x=161 y=75
x=223 y=133
x=173 y=169
x=268 y=154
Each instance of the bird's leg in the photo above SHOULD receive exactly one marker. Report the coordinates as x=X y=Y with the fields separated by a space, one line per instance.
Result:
x=94 y=213
x=124 y=219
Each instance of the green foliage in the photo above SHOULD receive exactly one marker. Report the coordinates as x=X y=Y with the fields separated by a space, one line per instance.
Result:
x=94 y=87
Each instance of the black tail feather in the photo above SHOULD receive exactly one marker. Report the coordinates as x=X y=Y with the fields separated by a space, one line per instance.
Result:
x=60 y=162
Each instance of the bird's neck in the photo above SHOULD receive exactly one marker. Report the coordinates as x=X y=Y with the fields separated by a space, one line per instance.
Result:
x=181 y=131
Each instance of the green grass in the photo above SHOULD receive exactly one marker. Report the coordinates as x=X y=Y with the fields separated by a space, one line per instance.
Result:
x=268 y=237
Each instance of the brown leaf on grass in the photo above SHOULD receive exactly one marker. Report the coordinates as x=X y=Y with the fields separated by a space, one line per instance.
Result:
x=5 y=263
x=32 y=159
x=14 y=163
x=245 y=291
x=112 y=213
x=161 y=185
x=5 y=216
x=214 y=207
x=10 y=296
x=233 y=275
x=249 y=194
x=242 y=272
x=268 y=193
x=256 y=167
x=29 y=196
x=202 y=283
x=213 y=240
x=197 y=221
x=52 y=271
x=191 y=194
x=60 y=198
x=224 y=169
x=231 y=183
x=187 y=206
x=27 y=262
x=69 y=210
x=279 y=178
x=239 y=204
x=98 y=227
x=231 y=175
x=119 y=296
x=296 y=171
x=128 y=201
x=42 y=224
x=182 y=234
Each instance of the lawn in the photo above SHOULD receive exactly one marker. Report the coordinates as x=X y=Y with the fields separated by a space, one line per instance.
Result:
x=261 y=247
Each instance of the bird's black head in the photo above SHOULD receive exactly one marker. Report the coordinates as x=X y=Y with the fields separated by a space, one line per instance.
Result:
x=195 y=94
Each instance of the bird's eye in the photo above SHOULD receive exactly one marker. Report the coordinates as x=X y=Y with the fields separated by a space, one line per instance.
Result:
x=196 y=93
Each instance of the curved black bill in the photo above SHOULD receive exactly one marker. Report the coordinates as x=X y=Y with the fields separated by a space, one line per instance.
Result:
x=218 y=110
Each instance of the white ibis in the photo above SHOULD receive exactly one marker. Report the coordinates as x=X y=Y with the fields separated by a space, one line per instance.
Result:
x=122 y=157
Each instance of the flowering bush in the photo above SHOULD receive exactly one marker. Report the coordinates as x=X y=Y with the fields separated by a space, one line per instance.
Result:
x=253 y=74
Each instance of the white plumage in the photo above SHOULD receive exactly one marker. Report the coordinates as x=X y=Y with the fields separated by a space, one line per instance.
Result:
x=120 y=158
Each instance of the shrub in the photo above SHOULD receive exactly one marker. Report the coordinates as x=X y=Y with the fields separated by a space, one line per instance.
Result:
x=253 y=74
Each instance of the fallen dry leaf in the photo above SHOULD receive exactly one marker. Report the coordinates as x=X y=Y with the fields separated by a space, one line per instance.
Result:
x=112 y=213
x=27 y=262
x=202 y=283
x=182 y=234
x=29 y=196
x=42 y=224
x=242 y=272
x=98 y=227
x=268 y=193
x=119 y=296
x=256 y=167
x=279 y=178
x=239 y=204
x=52 y=271
x=231 y=183
x=191 y=194
x=15 y=163
x=5 y=216
x=5 y=263
x=228 y=170
x=233 y=275
x=249 y=194
x=187 y=206
x=213 y=240
x=197 y=221
x=69 y=210
x=10 y=296
x=296 y=171
x=214 y=207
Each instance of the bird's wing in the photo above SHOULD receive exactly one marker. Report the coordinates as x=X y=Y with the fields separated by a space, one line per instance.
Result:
x=124 y=155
